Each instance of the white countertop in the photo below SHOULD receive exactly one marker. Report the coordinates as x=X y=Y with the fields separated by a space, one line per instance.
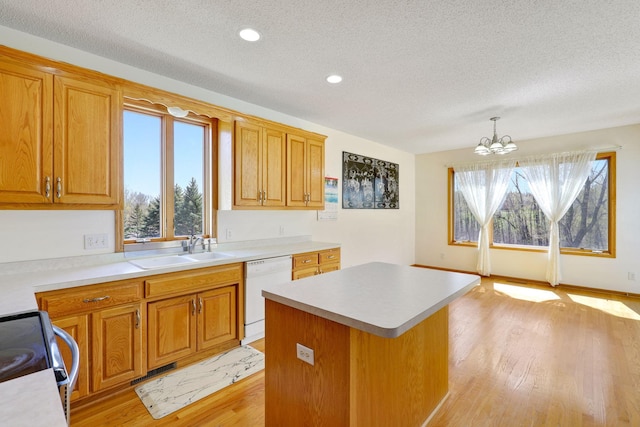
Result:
x=382 y=299
x=33 y=400
x=21 y=280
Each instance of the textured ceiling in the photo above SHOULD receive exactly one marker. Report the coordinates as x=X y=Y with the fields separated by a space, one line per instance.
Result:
x=419 y=75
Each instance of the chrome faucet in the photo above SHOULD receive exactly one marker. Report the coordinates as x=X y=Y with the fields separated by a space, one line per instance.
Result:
x=193 y=241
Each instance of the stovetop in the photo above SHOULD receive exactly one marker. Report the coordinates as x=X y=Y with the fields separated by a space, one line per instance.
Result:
x=24 y=346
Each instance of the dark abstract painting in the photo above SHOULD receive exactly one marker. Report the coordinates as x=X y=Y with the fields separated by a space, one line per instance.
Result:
x=369 y=183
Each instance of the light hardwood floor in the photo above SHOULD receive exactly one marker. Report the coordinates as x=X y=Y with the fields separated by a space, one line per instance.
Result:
x=520 y=355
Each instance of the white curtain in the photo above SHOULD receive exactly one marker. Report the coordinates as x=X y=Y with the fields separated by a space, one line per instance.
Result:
x=484 y=187
x=555 y=182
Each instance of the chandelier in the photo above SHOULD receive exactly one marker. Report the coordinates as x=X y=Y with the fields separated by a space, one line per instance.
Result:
x=494 y=145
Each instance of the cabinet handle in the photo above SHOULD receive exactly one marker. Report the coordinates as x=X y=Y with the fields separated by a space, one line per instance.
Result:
x=58 y=187
x=200 y=305
x=264 y=197
x=47 y=187
x=137 y=319
x=98 y=299
x=331 y=257
x=193 y=307
x=259 y=199
x=306 y=261
x=320 y=271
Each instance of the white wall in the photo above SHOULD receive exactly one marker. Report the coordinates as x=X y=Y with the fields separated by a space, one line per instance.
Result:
x=603 y=273
x=365 y=235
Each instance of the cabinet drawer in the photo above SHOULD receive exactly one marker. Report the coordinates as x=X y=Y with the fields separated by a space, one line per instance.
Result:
x=330 y=255
x=305 y=260
x=192 y=281
x=88 y=298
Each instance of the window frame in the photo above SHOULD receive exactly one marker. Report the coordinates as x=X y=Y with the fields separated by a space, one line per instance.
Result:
x=209 y=193
x=611 y=253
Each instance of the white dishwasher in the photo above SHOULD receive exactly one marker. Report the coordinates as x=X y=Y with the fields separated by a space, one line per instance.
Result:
x=258 y=274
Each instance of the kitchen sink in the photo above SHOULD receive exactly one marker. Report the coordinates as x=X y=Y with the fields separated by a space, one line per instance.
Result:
x=208 y=256
x=170 y=260
x=164 y=261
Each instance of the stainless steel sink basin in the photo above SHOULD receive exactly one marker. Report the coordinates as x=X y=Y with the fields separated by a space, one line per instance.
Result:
x=164 y=261
x=208 y=256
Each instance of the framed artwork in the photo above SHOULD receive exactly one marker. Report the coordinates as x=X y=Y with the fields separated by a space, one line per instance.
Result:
x=369 y=183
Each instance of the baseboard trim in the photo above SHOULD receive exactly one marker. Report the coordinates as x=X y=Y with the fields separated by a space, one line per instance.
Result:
x=525 y=281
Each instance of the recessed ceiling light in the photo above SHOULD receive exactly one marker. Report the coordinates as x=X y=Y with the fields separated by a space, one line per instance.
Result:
x=250 y=35
x=334 y=78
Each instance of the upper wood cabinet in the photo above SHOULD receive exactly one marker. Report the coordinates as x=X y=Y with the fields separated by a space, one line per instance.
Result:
x=26 y=134
x=60 y=139
x=87 y=119
x=305 y=172
x=259 y=172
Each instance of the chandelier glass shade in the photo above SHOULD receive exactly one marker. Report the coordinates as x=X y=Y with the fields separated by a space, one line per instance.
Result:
x=495 y=145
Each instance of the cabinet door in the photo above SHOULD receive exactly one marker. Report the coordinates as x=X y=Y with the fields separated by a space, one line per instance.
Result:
x=315 y=173
x=304 y=272
x=117 y=346
x=305 y=167
x=172 y=330
x=248 y=164
x=296 y=171
x=26 y=150
x=218 y=316
x=87 y=118
x=326 y=268
x=273 y=170
x=77 y=327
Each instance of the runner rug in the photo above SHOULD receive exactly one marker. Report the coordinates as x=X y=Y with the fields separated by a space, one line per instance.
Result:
x=187 y=385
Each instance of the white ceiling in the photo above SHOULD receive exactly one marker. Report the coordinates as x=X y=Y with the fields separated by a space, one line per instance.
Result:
x=419 y=75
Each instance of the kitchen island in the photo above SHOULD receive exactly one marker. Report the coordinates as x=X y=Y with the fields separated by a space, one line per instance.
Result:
x=374 y=343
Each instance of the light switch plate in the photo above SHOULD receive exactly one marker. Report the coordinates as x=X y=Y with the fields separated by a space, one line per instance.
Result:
x=304 y=353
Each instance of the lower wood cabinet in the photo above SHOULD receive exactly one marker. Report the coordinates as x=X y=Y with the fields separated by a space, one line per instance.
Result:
x=193 y=311
x=181 y=326
x=314 y=263
x=78 y=328
x=106 y=321
x=117 y=346
x=126 y=328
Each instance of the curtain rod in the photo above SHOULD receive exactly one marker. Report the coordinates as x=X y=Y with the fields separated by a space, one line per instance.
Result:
x=514 y=158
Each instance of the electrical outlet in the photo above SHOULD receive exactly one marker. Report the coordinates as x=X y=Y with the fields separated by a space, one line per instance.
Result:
x=282 y=230
x=631 y=276
x=95 y=241
x=304 y=353
x=229 y=233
